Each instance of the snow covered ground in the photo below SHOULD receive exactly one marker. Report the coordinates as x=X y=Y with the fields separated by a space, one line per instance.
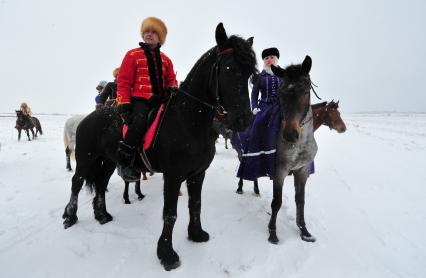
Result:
x=365 y=205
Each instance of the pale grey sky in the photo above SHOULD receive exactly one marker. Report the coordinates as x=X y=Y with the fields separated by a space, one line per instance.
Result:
x=369 y=54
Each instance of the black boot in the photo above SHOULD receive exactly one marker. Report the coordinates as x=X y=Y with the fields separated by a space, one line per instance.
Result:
x=126 y=155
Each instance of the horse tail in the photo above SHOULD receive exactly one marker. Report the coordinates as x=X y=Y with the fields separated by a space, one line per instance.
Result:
x=38 y=126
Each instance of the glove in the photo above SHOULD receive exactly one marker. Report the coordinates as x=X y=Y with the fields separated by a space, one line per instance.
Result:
x=125 y=111
x=256 y=110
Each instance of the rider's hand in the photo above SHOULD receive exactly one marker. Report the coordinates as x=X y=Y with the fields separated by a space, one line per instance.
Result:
x=256 y=110
x=125 y=111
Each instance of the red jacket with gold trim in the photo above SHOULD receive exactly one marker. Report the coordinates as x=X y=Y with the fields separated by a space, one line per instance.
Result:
x=133 y=79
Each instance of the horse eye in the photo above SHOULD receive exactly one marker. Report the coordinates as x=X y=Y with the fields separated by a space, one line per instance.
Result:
x=228 y=68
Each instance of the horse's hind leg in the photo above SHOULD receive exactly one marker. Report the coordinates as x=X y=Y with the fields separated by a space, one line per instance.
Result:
x=240 y=186
x=28 y=135
x=256 y=187
x=195 y=232
x=144 y=175
x=70 y=213
x=68 y=158
x=168 y=257
x=138 y=190
x=126 y=193
x=300 y=178
x=102 y=177
x=276 y=205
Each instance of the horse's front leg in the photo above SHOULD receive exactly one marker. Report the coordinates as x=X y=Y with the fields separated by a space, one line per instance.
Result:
x=19 y=134
x=300 y=178
x=168 y=257
x=276 y=203
x=195 y=231
x=68 y=158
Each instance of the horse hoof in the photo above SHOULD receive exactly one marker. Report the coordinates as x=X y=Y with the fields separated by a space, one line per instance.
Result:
x=69 y=221
x=198 y=236
x=140 y=197
x=273 y=239
x=167 y=256
x=308 y=238
x=171 y=266
x=127 y=202
x=104 y=218
x=305 y=235
x=239 y=191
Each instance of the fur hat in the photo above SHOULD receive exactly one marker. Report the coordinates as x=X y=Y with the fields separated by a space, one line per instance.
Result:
x=156 y=24
x=115 y=72
x=273 y=51
x=102 y=83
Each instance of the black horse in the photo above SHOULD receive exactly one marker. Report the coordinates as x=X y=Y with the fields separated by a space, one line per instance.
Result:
x=27 y=123
x=183 y=149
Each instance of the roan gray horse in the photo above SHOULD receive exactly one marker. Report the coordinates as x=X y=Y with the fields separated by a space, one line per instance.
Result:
x=296 y=146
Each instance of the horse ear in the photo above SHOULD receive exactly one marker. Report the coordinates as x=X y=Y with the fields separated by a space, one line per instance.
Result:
x=250 y=41
x=221 y=37
x=278 y=71
x=307 y=64
x=337 y=103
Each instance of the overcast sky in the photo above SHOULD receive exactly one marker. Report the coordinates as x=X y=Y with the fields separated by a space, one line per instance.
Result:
x=370 y=55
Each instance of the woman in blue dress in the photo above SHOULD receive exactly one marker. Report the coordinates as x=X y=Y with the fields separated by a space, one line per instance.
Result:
x=258 y=143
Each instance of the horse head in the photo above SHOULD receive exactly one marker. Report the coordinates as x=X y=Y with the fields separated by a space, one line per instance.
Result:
x=294 y=98
x=236 y=62
x=333 y=119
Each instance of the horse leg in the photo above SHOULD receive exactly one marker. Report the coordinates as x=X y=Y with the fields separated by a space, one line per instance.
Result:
x=70 y=213
x=68 y=158
x=276 y=205
x=168 y=257
x=28 y=135
x=144 y=175
x=240 y=186
x=256 y=187
x=300 y=178
x=32 y=132
x=226 y=143
x=138 y=190
x=101 y=183
x=126 y=193
x=19 y=134
x=195 y=231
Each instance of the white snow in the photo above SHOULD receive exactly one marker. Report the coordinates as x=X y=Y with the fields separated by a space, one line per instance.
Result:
x=365 y=205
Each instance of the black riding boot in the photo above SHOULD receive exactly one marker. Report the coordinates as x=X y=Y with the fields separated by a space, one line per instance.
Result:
x=126 y=157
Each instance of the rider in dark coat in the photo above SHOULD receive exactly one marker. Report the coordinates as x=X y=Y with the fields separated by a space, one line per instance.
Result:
x=258 y=142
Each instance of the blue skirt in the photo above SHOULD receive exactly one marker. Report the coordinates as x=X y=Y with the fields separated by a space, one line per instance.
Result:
x=256 y=146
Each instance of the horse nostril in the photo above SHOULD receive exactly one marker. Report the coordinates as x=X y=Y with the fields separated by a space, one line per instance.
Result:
x=290 y=136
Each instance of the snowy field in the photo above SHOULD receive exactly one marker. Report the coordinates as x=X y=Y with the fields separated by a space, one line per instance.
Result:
x=365 y=205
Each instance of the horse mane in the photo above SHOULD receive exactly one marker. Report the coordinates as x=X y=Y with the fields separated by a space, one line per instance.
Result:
x=244 y=54
x=293 y=71
x=333 y=105
x=319 y=105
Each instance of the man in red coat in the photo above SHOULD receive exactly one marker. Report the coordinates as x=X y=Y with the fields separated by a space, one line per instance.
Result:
x=145 y=74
